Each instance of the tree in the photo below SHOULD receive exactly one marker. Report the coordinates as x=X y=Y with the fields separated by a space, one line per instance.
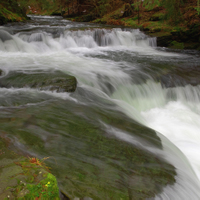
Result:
x=173 y=9
x=198 y=6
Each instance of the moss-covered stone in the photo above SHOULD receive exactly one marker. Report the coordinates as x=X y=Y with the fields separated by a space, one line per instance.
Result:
x=24 y=178
x=91 y=161
x=177 y=45
x=54 y=81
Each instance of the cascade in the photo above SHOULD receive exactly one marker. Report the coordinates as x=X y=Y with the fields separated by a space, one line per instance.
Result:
x=118 y=70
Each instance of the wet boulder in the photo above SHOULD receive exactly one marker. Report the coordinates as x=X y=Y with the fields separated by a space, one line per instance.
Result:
x=100 y=153
x=181 y=76
x=53 y=81
x=4 y=35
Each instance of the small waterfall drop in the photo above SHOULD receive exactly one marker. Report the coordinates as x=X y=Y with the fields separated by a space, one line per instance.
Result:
x=42 y=42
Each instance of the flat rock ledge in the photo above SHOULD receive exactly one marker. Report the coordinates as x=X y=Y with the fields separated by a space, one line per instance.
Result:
x=53 y=80
x=180 y=77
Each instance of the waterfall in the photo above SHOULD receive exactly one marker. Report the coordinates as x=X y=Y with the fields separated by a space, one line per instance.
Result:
x=42 y=42
x=113 y=66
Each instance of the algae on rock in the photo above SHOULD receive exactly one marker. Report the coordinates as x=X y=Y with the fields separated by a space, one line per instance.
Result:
x=91 y=160
x=54 y=81
x=21 y=178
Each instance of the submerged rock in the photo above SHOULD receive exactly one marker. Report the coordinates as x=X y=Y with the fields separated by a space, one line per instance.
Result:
x=181 y=76
x=53 y=81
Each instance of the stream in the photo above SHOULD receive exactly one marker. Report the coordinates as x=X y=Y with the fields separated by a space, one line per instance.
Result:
x=130 y=130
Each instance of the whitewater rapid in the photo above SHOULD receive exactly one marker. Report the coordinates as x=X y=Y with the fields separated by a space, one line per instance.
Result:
x=90 y=55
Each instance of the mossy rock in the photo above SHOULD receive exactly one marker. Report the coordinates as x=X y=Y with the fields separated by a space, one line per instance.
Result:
x=24 y=178
x=157 y=16
x=177 y=45
x=53 y=81
x=154 y=30
x=90 y=160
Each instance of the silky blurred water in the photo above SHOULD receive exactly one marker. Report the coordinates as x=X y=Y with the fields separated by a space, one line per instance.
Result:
x=117 y=69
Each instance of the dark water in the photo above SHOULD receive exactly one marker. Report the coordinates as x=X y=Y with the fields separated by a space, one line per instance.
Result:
x=98 y=139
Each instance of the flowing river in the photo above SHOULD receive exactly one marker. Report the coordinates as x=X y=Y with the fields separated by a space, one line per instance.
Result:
x=131 y=96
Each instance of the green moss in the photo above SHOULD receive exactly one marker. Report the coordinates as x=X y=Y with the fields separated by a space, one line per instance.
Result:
x=45 y=189
x=177 y=45
x=10 y=12
x=55 y=81
x=91 y=162
x=133 y=22
x=152 y=26
x=158 y=16
x=23 y=179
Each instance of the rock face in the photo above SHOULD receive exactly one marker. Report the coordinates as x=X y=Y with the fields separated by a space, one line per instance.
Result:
x=24 y=178
x=53 y=81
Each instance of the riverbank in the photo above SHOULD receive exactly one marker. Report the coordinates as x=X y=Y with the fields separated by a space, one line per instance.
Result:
x=11 y=12
x=182 y=35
